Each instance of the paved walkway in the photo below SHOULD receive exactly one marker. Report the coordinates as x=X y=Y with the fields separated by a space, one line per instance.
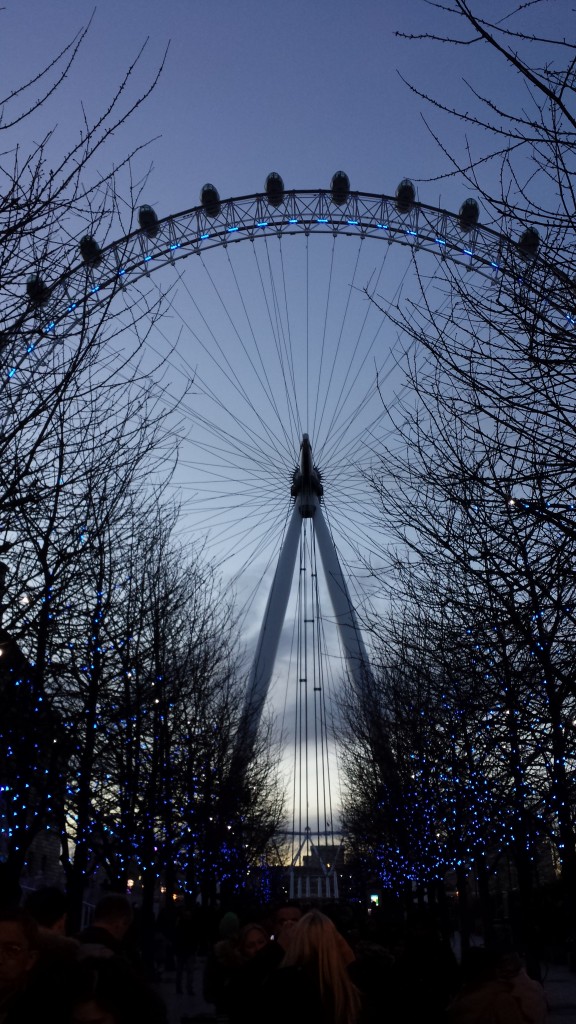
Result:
x=182 y=1005
x=559 y=985
x=560 y=988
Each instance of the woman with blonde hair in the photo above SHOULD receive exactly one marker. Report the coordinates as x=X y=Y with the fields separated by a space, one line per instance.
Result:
x=312 y=983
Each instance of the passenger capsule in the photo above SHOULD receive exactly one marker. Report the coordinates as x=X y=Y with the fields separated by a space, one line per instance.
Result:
x=210 y=200
x=340 y=188
x=469 y=214
x=148 y=221
x=274 y=189
x=37 y=291
x=405 y=196
x=529 y=243
x=90 y=251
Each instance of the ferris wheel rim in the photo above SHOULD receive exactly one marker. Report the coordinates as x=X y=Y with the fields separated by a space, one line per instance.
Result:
x=423 y=227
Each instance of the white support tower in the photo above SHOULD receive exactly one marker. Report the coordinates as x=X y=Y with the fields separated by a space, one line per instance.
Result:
x=307 y=491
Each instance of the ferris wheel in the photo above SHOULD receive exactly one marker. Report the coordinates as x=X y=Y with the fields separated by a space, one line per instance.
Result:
x=295 y=373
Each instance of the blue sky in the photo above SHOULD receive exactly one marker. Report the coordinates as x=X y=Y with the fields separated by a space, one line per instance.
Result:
x=304 y=88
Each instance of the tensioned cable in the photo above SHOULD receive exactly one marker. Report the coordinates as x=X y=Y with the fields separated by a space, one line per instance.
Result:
x=282 y=339
x=330 y=721
x=243 y=438
x=334 y=442
x=230 y=439
x=307 y=333
x=350 y=441
x=206 y=389
x=269 y=391
x=324 y=336
x=273 y=534
x=394 y=300
x=303 y=680
x=235 y=533
x=264 y=538
x=339 y=341
x=318 y=682
x=311 y=719
x=355 y=366
x=224 y=366
x=288 y=334
x=241 y=443
x=280 y=356
x=193 y=371
x=239 y=387
x=350 y=380
x=326 y=701
x=298 y=725
x=292 y=669
x=359 y=593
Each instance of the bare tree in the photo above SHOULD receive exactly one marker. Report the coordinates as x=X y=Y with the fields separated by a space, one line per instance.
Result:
x=512 y=344
x=500 y=586
x=478 y=488
x=524 y=134
x=171 y=722
x=122 y=645
x=49 y=201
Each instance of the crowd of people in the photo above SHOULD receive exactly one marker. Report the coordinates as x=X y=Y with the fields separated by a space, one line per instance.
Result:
x=296 y=964
x=49 y=977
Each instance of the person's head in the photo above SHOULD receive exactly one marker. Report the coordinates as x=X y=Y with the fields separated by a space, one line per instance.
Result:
x=253 y=937
x=479 y=965
x=316 y=946
x=18 y=948
x=89 y=1011
x=114 y=913
x=285 y=917
x=229 y=927
x=106 y=990
x=286 y=912
x=422 y=930
x=314 y=941
x=102 y=992
x=48 y=907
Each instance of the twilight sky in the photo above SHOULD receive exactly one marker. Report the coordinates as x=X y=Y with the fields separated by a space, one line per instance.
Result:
x=304 y=88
